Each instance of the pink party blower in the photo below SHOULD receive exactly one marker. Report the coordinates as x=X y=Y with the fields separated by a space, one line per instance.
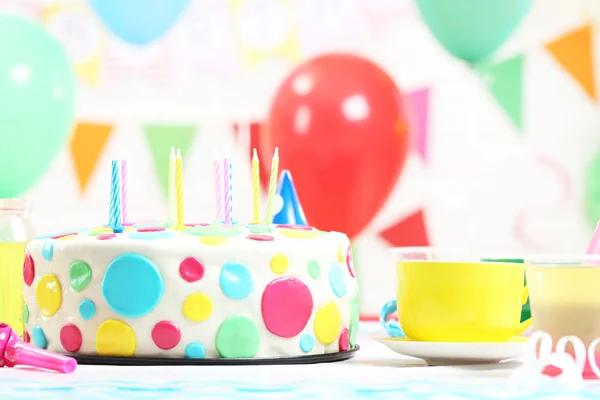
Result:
x=14 y=352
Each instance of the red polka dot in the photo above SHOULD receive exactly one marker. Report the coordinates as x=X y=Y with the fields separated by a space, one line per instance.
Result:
x=344 y=341
x=70 y=338
x=191 y=269
x=166 y=335
x=63 y=235
x=350 y=262
x=297 y=227
x=260 y=238
x=26 y=337
x=28 y=270
x=286 y=306
x=150 y=229
x=106 y=236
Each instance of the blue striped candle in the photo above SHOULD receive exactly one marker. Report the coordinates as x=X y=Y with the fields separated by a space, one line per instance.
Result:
x=115 y=196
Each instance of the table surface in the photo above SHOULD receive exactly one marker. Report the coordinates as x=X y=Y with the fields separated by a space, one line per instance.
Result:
x=374 y=372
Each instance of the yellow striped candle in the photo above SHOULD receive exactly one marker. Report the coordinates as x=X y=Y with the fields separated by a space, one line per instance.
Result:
x=272 y=186
x=256 y=186
x=179 y=187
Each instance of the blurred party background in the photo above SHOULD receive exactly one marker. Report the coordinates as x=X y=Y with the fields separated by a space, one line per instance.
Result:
x=448 y=123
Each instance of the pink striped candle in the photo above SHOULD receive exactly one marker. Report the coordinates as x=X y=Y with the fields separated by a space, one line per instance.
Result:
x=226 y=173
x=124 y=193
x=219 y=188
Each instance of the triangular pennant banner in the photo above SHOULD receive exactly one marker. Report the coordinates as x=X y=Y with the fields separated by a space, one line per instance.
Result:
x=160 y=139
x=574 y=53
x=420 y=108
x=505 y=81
x=411 y=231
x=87 y=144
x=255 y=132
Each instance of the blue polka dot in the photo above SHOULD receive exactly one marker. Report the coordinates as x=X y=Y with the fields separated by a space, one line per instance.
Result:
x=306 y=343
x=132 y=285
x=87 y=309
x=151 y=235
x=194 y=350
x=336 y=279
x=236 y=281
x=48 y=251
x=39 y=337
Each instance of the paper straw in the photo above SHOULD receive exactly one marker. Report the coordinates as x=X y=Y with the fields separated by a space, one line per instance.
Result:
x=227 y=195
x=179 y=187
x=272 y=186
x=115 y=196
x=172 y=189
x=256 y=186
x=219 y=187
x=124 y=192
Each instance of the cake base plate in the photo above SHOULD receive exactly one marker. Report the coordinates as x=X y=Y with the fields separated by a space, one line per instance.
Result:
x=148 y=361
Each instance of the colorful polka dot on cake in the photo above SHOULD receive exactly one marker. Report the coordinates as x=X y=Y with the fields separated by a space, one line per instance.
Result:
x=62 y=235
x=296 y=227
x=260 y=238
x=132 y=285
x=151 y=229
x=237 y=337
x=39 y=337
x=87 y=309
x=236 y=280
x=191 y=269
x=286 y=306
x=279 y=264
x=350 y=262
x=300 y=234
x=328 y=322
x=115 y=338
x=336 y=279
x=354 y=319
x=214 y=230
x=213 y=240
x=195 y=350
x=151 y=235
x=343 y=341
x=106 y=236
x=258 y=229
x=28 y=270
x=70 y=338
x=25 y=313
x=48 y=294
x=342 y=253
x=166 y=335
x=48 y=251
x=197 y=307
x=307 y=342
x=314 y=270
x=80 y=275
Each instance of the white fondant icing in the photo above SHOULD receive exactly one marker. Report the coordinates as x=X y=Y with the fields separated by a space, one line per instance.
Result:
x=167 y=254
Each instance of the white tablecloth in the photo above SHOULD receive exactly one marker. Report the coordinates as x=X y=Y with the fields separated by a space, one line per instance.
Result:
x=375 y=372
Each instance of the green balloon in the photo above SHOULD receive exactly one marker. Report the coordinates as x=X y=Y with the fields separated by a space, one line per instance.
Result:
x=592 y=191
x=36 y=103
x=472 y=30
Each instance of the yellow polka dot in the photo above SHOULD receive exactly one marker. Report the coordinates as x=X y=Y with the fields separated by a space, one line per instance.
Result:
x=48 y=293
x=299 y=233
x=279 y=264
x=328 y=323
x=341 y=254
x=129 y=228
x=179 y=228
x=213 y=240
x=68 y=237
x=197 y=307
x=102 y=229
x=115 y=338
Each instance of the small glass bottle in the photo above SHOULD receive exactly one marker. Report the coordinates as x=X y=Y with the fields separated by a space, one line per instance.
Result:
x=16 y=229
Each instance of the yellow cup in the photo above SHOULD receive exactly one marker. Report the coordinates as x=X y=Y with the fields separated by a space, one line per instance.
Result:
x=457 y=298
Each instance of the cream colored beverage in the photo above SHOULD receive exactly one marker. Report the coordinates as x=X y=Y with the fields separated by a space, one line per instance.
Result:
x=12 y=256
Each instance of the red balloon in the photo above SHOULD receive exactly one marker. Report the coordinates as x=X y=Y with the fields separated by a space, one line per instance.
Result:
x=341 y=127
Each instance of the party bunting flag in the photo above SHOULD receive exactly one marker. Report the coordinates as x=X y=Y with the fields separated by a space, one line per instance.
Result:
x=574 y=53
x=87 y=144
x=411 y=231
x=420 y=108
x=505 y=81
x=160 y=139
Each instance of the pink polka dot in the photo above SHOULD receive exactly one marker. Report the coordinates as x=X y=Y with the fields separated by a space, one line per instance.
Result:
x=106 y=236
x=63 y=235
x=26 y=337
x=344 y=341
x=297 y=227
x=260 y=238
x=286 y=306
x=350 y=262
x=28 y=270
x=70 y=338
x=191 y=269
x=166 y=335
x=150 y=229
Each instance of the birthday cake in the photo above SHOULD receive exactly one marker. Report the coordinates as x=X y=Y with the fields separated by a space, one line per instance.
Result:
x=194 y=291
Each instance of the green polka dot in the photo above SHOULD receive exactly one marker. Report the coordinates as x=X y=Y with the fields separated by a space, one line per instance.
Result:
x=237 y=337
x=95 y=233
x=80 y=274
x=313 y=269
x=213 y=230
x=354 y=319
x=260 y=229
x=26 y=314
